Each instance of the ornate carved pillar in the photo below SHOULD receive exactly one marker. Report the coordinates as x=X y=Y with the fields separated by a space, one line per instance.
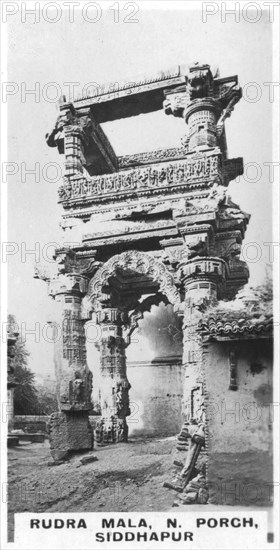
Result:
x=202 y=118
x=200 y=281
x=203 y=277
x=115 y=386
x=81 y=139
x=204 y=102
x=70 y=429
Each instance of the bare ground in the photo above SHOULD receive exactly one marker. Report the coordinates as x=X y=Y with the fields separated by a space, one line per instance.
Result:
x=126 y=477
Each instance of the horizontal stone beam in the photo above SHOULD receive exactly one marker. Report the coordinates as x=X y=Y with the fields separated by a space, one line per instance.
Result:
x=120 y=100
x=148 y=157
x=199 y=171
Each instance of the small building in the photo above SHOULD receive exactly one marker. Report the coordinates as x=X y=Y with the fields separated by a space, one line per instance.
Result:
x=238 y=359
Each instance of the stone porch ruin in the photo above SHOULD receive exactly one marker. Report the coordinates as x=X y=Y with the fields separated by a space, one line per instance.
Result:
x=156 y=227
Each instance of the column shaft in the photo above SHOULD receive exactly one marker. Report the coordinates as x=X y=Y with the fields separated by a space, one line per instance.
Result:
x=115 y=386
x=70 y=429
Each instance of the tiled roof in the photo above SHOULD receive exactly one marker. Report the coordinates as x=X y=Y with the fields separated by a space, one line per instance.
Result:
x=220 y=326
x=250 y=315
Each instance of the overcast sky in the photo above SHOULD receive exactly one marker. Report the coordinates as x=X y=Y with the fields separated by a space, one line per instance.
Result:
x=107 y=51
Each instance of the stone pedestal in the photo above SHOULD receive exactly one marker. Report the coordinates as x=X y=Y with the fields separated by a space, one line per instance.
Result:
x=69 y=432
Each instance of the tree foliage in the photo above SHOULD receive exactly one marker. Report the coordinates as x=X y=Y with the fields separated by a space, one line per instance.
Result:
x=47 y=399
x=29 y=398
x=25 y=393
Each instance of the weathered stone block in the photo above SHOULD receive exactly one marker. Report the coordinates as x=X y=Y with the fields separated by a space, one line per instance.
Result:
x=69 y=432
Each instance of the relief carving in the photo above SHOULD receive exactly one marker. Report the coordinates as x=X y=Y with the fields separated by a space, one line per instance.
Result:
x=140 y=262
x=150 y=157
x=176 y=173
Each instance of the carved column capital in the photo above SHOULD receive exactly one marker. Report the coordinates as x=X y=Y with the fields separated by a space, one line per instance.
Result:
x=68 y=261
x=111 y=316
x=205 y=101
x=82 y=140
x=65 y=278
x=69 y=284
x=203 y=278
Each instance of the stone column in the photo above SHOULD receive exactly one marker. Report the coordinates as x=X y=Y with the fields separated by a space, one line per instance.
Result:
x=202 y=117
x=70 y=429
x=202 y=278
x=73 y=148
x=115 y=386
x=205 y=102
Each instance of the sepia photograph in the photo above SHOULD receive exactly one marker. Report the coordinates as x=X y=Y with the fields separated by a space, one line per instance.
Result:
x=140 y=267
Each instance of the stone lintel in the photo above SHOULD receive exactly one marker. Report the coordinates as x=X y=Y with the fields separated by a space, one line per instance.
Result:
x=121 y=100
x=177 y=241
x=132 y=236
x=121 y=208
x=131 y=99
x=159 y=155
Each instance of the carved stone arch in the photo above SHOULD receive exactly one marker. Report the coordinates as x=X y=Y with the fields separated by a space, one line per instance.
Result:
x=140 y=262
x=138 y=313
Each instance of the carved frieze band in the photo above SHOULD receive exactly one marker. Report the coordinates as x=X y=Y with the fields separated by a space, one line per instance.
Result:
x=149 y=157
x=197 y=170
